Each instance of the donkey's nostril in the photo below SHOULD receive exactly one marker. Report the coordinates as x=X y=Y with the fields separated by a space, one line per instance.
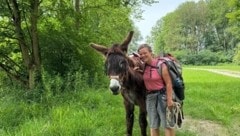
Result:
x=115 y=90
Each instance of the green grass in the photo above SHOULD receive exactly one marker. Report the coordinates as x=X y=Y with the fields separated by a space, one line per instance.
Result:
x=92 y=112
x=214 y=97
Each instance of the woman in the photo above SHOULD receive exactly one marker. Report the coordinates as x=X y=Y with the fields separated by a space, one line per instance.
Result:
x=159 y=94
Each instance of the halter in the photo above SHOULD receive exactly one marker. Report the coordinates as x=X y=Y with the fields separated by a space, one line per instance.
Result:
x=120 y=79
x=114 y=77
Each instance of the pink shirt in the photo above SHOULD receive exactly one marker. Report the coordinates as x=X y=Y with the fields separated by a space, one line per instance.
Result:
x=152 y=79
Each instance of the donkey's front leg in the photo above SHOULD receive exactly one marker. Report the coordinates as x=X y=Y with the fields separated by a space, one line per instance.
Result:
x=143 y=117
x=129 y=107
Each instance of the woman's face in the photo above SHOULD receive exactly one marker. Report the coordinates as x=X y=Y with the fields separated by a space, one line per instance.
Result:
x=145 y=55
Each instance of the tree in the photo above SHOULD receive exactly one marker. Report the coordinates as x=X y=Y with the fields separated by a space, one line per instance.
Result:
x=54 y=35
x=182 y=29
x=219 y=22
x=234 y=27
x=194 y=28
x=15 y=22
x=234 y=19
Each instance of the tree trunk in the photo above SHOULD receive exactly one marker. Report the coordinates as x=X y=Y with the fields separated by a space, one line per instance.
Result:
x=35 y=66
x=14 y=9
x=30 y=53
x=77 y=8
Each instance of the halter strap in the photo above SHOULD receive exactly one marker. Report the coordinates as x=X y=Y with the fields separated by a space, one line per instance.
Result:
x=114 y=77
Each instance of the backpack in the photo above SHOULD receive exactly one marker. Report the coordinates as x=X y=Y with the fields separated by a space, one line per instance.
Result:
x=175 y=71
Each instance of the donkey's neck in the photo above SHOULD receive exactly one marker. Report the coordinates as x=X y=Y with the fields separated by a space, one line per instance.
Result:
x=133 y=79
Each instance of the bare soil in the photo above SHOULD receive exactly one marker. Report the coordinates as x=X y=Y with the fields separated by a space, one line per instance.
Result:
x=204 y=127
x=225 y=72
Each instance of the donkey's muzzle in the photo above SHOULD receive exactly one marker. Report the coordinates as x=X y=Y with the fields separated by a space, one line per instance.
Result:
x=115 y=90
x=115 y=86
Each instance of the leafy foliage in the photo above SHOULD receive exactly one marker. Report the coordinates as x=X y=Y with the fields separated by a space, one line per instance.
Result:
x=201 y=29
x=64 y=30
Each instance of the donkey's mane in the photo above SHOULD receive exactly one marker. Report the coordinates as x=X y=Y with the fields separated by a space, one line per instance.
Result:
x=135 y=77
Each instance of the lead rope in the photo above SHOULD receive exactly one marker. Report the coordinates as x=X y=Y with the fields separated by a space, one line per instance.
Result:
x=174 y=113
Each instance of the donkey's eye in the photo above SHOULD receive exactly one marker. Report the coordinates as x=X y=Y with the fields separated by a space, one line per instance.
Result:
x=121 y=64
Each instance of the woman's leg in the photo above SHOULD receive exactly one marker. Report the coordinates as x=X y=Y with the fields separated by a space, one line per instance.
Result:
x=169 y=132
x=154 y=132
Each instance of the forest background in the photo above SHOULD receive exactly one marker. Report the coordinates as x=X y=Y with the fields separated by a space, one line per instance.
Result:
x=45 y=52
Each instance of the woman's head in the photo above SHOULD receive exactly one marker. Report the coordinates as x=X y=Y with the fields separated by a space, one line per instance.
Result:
x=145 y=52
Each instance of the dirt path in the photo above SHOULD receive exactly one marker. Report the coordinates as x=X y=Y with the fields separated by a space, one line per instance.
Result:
x=221 y=71
x=225 y=72
x=204 y=127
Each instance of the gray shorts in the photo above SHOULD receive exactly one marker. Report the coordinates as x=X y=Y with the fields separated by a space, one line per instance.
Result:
x=156 y=108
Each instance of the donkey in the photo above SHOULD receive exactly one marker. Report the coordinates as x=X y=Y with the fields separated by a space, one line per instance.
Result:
x=123 y=78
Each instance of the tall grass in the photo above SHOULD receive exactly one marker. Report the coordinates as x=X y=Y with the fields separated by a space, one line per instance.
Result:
x=39 y=108
x=77 y=109
x=95 y=113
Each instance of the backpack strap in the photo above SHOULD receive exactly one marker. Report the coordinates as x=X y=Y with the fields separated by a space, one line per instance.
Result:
x=145 y=65
x=159 y=66
x=172 y=67
x=167 y=62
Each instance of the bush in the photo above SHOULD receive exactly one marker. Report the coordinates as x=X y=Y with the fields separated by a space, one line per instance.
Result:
x=236 y=58
x=205 y=57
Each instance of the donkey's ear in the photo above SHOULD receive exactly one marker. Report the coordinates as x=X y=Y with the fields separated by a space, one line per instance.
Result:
x=125 y=43
x=99 y=48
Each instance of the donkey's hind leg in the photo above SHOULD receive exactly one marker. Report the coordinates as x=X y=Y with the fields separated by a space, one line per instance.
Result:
x=129 y=107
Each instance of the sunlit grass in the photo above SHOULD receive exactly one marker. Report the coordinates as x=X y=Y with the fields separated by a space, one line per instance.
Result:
x=212 y=96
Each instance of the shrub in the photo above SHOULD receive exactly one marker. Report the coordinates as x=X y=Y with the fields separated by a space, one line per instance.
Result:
x=205 y=57
x=236 y=58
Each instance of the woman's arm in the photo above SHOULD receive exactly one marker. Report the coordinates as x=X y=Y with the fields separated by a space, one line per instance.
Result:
x=168 y=83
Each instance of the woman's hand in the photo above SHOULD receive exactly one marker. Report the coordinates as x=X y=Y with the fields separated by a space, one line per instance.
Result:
x=170 y=104
x=137 y=69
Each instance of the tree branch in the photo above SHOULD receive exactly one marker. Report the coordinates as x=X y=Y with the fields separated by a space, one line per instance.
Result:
x=13 y=76
x=13 y=6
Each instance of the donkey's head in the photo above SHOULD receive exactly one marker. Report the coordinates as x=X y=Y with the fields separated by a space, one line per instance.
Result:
x=117 y=63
